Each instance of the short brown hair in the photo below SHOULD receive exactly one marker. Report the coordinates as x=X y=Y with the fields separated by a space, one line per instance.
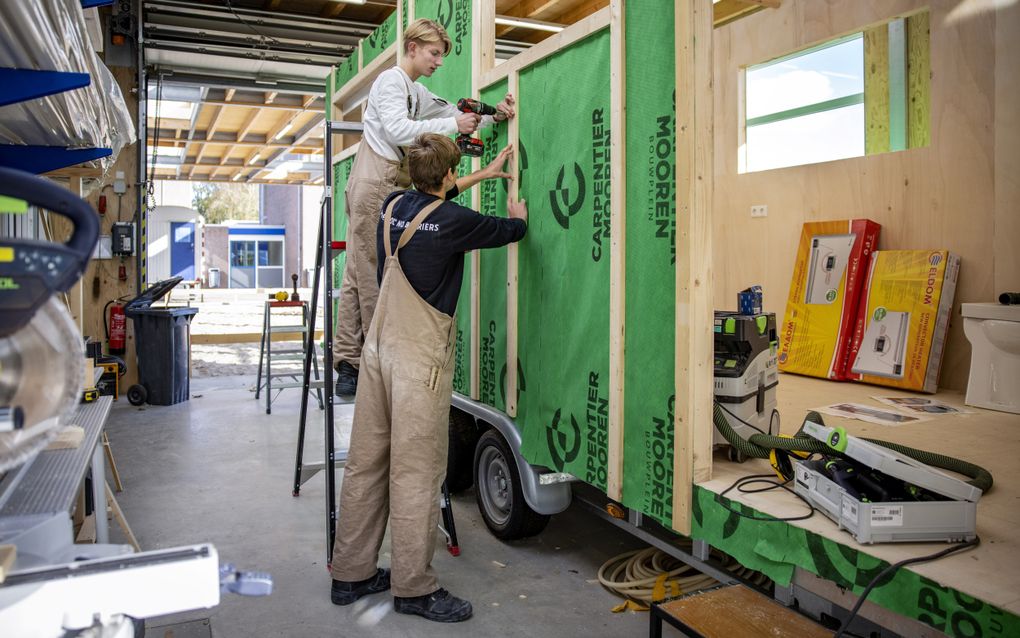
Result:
x=425 y=31
x=429 y=158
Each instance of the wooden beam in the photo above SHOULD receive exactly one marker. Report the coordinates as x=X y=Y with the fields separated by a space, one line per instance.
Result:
x=246 y=127
x=366 y=76
x=617 y=249
x=918 y=80
x=332 y=9
x=512 y=254
x=215 y=121
x=692 y=448
x=876 y=90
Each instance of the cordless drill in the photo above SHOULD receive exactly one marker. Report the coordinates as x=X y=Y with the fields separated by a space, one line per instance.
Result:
x=467 y=144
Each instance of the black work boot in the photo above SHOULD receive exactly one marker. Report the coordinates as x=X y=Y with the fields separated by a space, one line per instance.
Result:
x=346 y=380
x=440 y=606
x=345 y=592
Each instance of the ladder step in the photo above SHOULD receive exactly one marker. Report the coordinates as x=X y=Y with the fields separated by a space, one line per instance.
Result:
x=296 y=328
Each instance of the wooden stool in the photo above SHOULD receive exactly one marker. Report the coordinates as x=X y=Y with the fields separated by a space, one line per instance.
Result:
x=731 y=610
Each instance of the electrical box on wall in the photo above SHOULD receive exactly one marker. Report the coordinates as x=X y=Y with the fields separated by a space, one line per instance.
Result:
x=123 y=239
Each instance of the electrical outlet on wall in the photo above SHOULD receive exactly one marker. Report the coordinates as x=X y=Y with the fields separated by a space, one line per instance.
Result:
x=759 y=210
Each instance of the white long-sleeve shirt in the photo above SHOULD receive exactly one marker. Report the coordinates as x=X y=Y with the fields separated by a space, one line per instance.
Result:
x=392 y=122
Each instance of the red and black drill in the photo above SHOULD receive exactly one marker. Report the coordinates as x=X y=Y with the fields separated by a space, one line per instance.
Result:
x=467 y=144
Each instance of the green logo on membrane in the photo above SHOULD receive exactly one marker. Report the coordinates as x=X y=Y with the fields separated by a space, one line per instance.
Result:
x=880 y=313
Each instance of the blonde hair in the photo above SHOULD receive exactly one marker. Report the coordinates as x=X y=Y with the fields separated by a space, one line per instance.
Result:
x=425 y=31
x=429 y=158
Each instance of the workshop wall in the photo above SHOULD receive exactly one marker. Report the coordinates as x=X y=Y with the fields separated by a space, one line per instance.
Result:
x=960 y=193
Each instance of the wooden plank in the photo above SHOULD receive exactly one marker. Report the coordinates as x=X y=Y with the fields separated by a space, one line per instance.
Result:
x=366 y=75
x=692 y=457
x=918 y=81
x=485 y=38
x=617 y=249
x=876 y=90
x=347 y=152
x=248 y=337
x=513 y=137
x=738 y=610
x=575 y=32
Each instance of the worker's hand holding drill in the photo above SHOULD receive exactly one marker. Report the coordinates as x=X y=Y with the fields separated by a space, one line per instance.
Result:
x=471 y=112
x=467 y=122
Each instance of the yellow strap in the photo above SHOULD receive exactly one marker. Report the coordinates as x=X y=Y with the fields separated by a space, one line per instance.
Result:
x=629 y=605
x=659 y=589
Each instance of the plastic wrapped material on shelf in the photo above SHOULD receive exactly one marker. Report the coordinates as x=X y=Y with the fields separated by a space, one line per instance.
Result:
x=51 y=35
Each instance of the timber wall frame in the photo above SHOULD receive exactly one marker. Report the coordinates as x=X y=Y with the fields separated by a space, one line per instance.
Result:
x=693 y=427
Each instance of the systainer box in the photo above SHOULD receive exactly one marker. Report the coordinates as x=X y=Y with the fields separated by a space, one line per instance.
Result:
x=824 y=294
x=903 y=318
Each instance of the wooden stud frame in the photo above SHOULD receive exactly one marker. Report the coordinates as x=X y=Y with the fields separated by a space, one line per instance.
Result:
x=617 y=248
x=693 y=357
x=692 y=446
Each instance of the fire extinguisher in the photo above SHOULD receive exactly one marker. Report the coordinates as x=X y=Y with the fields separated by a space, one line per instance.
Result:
x=118 y=329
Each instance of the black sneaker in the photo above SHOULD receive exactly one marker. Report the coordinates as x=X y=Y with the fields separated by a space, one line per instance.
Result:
x=440 y=606
x=346 y=592
x=346 y=380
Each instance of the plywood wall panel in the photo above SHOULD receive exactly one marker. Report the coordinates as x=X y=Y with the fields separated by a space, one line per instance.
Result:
x=942 y=196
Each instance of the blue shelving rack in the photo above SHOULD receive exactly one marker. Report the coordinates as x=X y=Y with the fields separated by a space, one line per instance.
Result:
x=21 y=85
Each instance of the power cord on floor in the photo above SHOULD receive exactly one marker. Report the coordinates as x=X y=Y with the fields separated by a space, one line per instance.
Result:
x=773 y=418
x=892 y=568
x=772 y=483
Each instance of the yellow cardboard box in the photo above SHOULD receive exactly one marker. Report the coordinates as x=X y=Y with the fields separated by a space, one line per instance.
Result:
x=820 y=312
x=903 y=318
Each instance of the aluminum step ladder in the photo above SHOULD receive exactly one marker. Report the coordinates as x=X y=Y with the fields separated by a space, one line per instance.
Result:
x=328 y=250
x=287 y=378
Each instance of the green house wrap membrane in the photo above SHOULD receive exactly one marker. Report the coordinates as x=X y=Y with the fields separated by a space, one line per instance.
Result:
x=341 y=171
x=343 y=73
x=563 y=295
x=379 y=40
x=492 y=272
x=649 y=361
x=451 y=82
x=777 y=548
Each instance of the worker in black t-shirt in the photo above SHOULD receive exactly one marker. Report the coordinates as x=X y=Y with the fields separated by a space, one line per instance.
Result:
x=397 y=457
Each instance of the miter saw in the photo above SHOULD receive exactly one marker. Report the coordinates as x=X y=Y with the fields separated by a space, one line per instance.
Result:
x=42 y=355
x=56 y=587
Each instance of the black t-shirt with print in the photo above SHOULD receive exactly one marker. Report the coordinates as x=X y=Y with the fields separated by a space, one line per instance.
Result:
x=433 y=261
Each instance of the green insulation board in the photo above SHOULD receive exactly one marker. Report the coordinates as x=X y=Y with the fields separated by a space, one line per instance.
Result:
x=650 y=284
x=563 y=270
x=341 y=171
x=343 y=73
x=451 y=82
x=378 y=41
x=492 y=272
x=776 y=548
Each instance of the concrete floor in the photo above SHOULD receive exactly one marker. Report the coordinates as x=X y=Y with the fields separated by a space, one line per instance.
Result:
x=218 y=469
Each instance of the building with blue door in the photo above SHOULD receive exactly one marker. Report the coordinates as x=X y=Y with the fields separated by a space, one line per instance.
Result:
x=175 y=243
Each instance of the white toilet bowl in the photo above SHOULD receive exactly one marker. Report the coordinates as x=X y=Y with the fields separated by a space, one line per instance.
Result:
x=994 y=334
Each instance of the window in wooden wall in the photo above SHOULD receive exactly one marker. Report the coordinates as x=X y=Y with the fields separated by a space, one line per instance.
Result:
x=860 y=94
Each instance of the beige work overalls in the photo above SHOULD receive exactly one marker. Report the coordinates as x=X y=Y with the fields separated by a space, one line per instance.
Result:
x=397 y=457
x=372 y=179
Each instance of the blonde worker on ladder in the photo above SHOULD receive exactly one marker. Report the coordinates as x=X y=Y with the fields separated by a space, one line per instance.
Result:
x=399 y=109
x=397 y=457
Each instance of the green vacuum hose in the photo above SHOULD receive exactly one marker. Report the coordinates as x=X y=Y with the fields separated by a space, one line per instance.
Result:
x=759 y=445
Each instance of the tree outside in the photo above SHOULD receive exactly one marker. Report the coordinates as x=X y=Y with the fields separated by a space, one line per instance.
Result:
x=218 y=203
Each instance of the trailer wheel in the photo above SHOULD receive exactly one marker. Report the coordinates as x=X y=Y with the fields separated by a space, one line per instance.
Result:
x=499 y=494
x=459 y=462
x=137 y=394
